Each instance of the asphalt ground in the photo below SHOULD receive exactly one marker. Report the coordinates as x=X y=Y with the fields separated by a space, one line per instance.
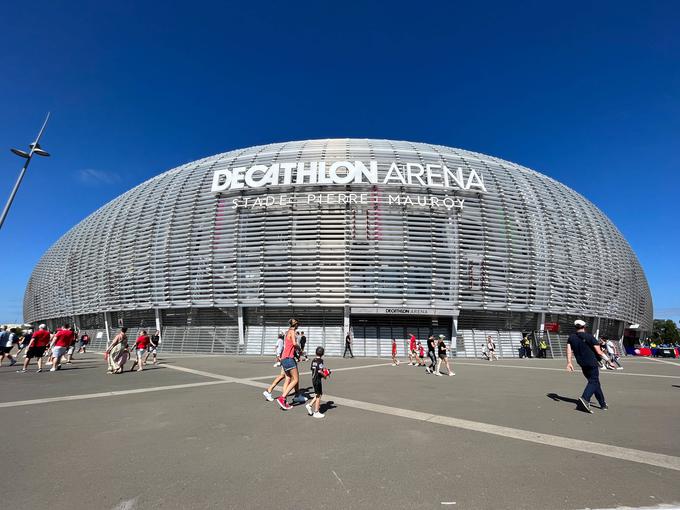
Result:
x=195 y=432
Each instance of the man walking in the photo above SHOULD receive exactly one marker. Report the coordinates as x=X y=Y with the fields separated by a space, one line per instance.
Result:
x=348 y=345
x=36 y=347
x=586 y=349
x=431 y=348
x=62 y=341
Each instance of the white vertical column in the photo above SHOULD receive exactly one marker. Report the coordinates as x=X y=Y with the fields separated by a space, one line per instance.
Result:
x=345 y=326
x=596 y=327
x=241 y=331
x=159 y=324
x=454 y=334
x=540 y=323
x=107 y=328
x=622 y=348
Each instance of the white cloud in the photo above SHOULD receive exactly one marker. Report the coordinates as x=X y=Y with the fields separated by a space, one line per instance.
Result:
x=92 y=176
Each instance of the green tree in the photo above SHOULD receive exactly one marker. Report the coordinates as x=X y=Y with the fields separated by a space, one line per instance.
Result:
x=665 y=329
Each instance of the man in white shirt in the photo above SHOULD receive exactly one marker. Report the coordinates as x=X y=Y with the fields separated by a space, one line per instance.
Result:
x=611 y=351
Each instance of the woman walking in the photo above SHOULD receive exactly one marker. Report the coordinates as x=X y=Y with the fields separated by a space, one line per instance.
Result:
x=118 y=352
x=443 y=358
x=491 y=348
x=288 y=364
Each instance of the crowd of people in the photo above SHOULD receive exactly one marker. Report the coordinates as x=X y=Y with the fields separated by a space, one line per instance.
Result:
x=56 y=347
x=437 y=354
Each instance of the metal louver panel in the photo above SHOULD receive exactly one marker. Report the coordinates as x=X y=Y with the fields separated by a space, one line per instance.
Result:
x=528 y=245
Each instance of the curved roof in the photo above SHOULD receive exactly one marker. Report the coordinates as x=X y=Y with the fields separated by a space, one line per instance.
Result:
x=528 y=244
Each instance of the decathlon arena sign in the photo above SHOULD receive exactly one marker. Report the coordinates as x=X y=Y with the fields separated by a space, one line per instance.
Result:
x=343 y=173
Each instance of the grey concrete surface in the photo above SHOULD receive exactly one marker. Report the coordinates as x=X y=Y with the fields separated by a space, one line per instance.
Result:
x=224 y=446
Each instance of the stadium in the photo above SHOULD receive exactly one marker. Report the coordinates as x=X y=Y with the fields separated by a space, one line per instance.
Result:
x=377 y=238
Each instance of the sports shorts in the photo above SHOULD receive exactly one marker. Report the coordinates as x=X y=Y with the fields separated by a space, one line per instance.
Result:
x=318 y=390
x=36 y=352
x=58 y=352
x=6 y=350
x=141 y=353
x=288 y=364
x=442 y=356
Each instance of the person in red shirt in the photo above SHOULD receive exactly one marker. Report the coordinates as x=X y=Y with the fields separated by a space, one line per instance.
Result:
x=36 y=347
x=141 y=346
x=395 y=361
x=62 y=341
x=412 y=354
x=421 y=355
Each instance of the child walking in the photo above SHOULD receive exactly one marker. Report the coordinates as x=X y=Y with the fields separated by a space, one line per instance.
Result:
x=421 y=354
x=319 y=372
x=395 y=361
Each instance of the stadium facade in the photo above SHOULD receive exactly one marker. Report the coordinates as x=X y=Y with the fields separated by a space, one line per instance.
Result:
x=376 y=237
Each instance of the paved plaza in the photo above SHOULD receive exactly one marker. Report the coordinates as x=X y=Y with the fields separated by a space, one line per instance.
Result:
x=195 y=432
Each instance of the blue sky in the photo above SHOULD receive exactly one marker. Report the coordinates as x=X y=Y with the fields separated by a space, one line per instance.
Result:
x=588 y=93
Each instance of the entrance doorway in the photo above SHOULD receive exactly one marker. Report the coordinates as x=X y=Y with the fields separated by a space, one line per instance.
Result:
x=372 y=334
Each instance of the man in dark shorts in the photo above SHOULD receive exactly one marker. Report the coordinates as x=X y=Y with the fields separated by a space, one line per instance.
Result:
x=587 y=350
x=36 y=347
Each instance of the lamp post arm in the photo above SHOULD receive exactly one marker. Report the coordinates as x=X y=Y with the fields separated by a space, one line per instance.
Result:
x=14 y=191
x=23 y=172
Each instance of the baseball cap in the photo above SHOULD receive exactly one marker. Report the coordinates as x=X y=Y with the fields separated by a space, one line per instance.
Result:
x=441 y=336
x=579 y=323
x=42 y=326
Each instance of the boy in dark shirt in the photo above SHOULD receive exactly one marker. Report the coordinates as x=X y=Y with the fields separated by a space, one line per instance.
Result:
x=586 y=349
x=319 y=372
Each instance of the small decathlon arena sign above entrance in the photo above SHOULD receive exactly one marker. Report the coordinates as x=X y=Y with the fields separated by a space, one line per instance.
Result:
x=345 y=173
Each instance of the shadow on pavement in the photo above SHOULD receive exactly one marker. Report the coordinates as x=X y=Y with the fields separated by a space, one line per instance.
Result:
x=558 y=398
x=326 y=406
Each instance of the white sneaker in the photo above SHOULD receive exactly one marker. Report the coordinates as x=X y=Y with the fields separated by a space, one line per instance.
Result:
x=394 y=364
x=438 y=374
x=619 y=368
x=309 y=409
x=268 y=396
x=53 y=369
x=318 y=415
x=451 y=374
x=277 y=364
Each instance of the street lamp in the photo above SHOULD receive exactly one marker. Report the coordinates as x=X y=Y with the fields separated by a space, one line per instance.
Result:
x=34 y=148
